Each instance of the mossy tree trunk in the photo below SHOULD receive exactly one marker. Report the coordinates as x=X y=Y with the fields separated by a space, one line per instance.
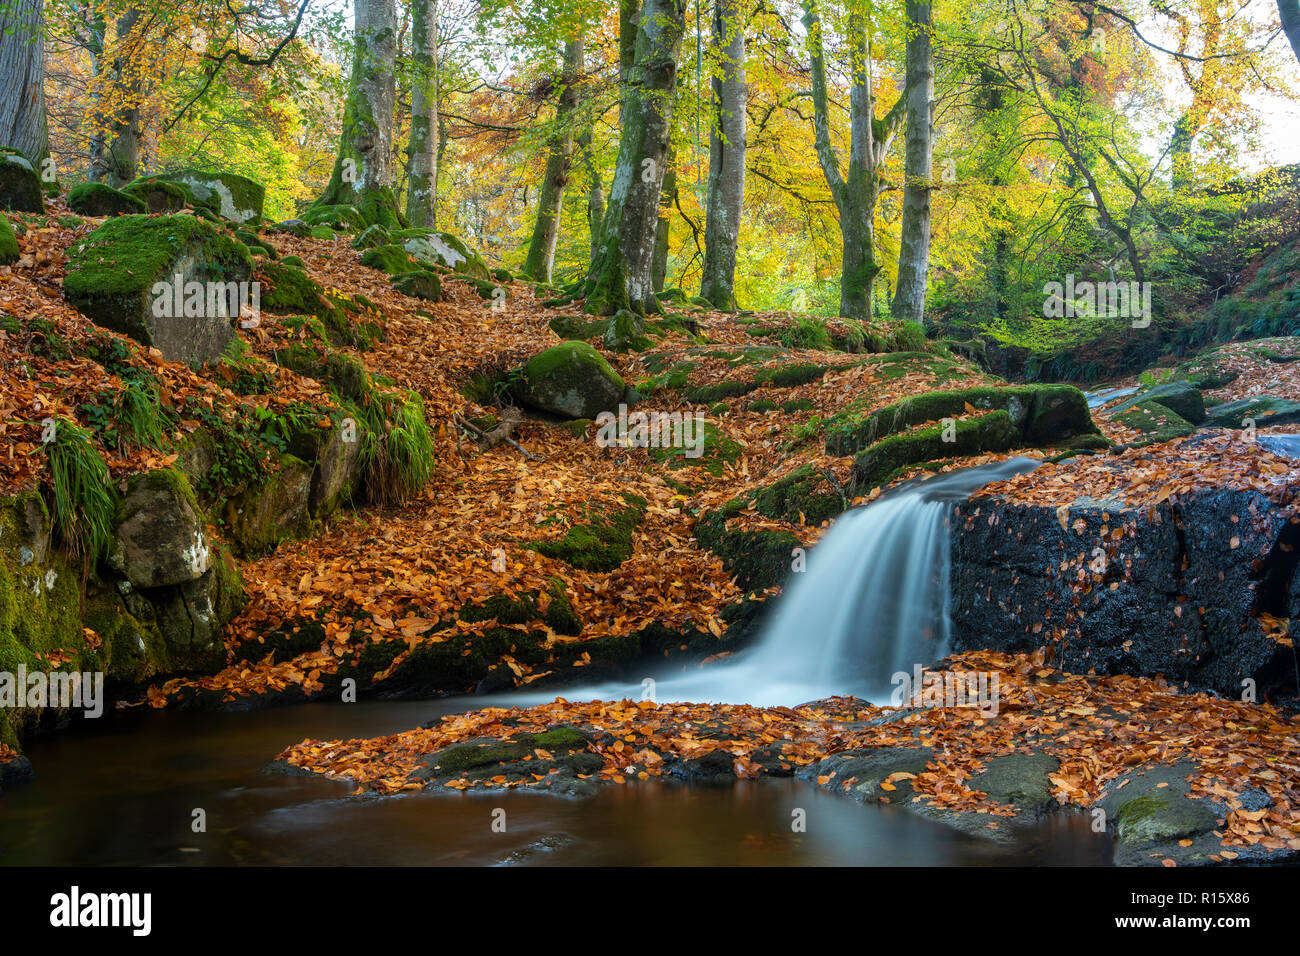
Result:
x=115 y=143
x=22 y=79
x=726 y=157
x=363 y=175
x=559 y=162
x=914 y=240
x=595 y=191
x=856 y=191
x=422 y=181
x=667 y=196
x=620 y=274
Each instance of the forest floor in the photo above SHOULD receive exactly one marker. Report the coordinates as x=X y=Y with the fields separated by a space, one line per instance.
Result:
x=377 y=574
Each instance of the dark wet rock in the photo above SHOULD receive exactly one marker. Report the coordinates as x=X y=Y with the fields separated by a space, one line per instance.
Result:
x=1171 y=589
x=858 y=774
x=1261 y=410
x=15 y=771
x=1020 y=780
x=717 y=767
x=1151 y=813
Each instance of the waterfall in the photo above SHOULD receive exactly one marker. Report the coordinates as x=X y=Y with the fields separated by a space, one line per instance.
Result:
x=873 y=600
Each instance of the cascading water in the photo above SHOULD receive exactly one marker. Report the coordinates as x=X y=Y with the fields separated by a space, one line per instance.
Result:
x=873 y=601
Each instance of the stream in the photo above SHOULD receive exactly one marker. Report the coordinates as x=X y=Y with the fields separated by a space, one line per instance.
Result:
x=123 y=793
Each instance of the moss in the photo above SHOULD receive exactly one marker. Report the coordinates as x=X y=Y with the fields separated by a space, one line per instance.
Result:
x=717 y=452
x=256 y=244
x=804 y=492
x=229 y=195
x=372 y=236
x=1162 y=815
x=708 y=394
x=1156 y=422
x=8 y=242
x=391 y=259
x=419 y=285
x=601 y=544
x=98 y=199
x=756 y=559
x=322 y=232
x=291 y=290
x=526 y=608
x=990 y=432
x=126 y=255
x=158 y=195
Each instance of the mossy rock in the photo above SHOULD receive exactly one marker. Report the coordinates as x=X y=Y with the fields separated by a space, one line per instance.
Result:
x=626 y=332
x=433 y=248
x=342 y=217
x=991 y=432
x=231 y=196
x=256 y=244
x=20 y=183
x=159 y=538
x=98 y=199
x=289 y=290
x=805 y=492
x=601 y=544
x=372 y=236
x=1181 y=398
x=577 y=327
x=121 y=277
x=8 y=243
x=714 y=451
x=572 y=380
x=527 y=608
x=418 y=285
x=259 y=518
x=1263 y=410
x=390 y=259
x=756 y=559
x=1156 y=422
x=322 y=232
x=1042 y=414
x=158 y=195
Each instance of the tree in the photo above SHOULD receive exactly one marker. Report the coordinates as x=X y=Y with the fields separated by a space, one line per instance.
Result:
x=1289 y=11
x=620 y=273
x=115 y=143
x=914 y=241
x=22 y=78
x=422 y=181
x=362 y=174
x=559 y=161
x=857 y=190
x=726 y=157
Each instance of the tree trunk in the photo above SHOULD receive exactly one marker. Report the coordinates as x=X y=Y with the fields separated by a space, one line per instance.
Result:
x=559 y=162
x=914 y=241
x=115 y=145
x=856 y=193
x=629 y=14
x=422 y=183
x=620 y=270
x=363 y=174
x=1289 y=11
x=667 y=196
x=726 y=158
x=595 y=191
x=22 y=80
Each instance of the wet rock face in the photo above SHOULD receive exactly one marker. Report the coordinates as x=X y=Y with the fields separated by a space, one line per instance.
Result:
x=1171 y=589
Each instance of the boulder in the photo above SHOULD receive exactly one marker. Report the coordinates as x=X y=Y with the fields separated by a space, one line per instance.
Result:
x=172 y=282
x=572 y=380
x=158 y=196
x=1264 y=410
x=231 y=196
x=259 y=518
x=1181 y=398
x=372 y=236
x=418 y=285
x=97 y=199
x=159 y=538
x=443 y=249
x=20 y=183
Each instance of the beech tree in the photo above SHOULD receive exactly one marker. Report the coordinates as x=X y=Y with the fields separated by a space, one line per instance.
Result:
x=726 y=157
x=914 y=241
x=22 y=79
x=363 y=175
x=422 y=179
x=559 y=162
x=622 y=259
